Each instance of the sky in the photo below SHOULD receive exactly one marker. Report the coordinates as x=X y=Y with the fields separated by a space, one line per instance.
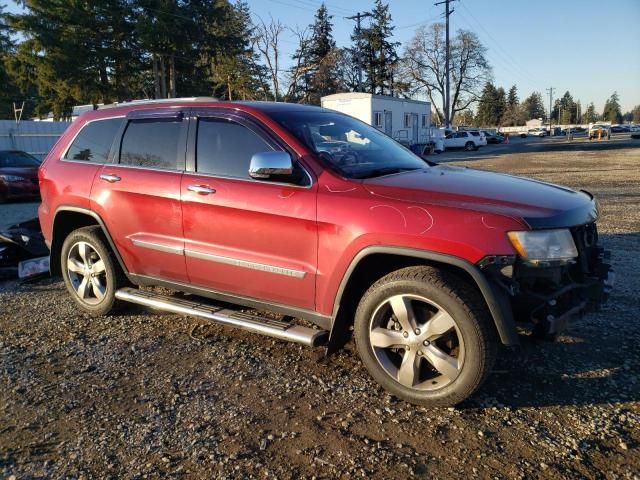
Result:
x=589 y=47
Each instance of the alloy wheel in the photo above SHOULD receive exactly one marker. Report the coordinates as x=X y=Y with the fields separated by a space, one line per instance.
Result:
x=416 y=342
x=87 y=273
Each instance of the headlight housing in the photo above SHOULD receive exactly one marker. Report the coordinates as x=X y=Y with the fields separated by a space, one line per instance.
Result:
x=11 y=178
x=536 y=246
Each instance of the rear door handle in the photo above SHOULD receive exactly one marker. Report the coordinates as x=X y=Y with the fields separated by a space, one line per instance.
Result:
x=201 y=189
x=110 y=178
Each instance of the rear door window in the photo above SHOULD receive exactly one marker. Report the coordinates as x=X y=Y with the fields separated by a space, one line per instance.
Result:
x=224 y=147
x=156 y=143
x=94 y=141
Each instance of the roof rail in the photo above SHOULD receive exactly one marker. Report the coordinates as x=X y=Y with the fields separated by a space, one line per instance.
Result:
x=161 y=100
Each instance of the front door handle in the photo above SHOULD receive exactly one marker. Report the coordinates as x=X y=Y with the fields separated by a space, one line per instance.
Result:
x=201 y=189
x=110 y=178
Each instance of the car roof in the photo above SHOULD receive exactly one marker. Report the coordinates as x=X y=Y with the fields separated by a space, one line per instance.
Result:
x=199 y=102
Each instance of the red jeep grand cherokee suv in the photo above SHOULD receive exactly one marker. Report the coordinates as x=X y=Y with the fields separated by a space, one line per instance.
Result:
x=314 y=215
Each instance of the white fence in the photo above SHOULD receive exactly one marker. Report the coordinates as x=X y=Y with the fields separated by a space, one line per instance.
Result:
x=35 y=138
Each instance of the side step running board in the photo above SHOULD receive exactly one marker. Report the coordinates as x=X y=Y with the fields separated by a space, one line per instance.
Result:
x=265 y=326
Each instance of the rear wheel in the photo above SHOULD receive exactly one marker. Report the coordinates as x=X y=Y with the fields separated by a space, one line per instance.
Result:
x=90 y=271
x=469 y=146
x=425 y=336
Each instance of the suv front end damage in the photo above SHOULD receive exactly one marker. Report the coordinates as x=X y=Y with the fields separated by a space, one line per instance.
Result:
x=551 y=293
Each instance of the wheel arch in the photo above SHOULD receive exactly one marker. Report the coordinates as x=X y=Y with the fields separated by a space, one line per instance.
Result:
x=374 y=262
x=70 y=218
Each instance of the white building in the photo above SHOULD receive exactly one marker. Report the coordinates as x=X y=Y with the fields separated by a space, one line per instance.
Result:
x=407 y=121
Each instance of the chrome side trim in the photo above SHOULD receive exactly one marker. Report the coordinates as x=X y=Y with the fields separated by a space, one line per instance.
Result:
x=157 y=246
x=244 y=264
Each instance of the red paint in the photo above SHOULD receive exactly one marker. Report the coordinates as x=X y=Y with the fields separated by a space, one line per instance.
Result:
x=317 y=230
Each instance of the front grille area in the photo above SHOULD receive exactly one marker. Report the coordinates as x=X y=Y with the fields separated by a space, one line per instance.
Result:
x=586 y=240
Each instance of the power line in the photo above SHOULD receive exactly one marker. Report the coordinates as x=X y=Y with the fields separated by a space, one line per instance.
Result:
x=330 y=7
x=505 y=62
x=418 y=24
x=507 y=56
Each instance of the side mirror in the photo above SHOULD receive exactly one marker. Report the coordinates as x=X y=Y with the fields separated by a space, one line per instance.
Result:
x=265 y=164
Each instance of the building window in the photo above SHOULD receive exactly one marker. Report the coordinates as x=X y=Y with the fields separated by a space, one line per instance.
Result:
x=407 y=120
x=424 y=121
x=377 y=119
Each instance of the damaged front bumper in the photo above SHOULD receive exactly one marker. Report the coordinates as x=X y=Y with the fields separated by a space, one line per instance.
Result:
x=551 y=295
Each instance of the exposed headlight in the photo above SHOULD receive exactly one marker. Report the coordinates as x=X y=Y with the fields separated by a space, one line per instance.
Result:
x=544 y=245
x=11 y=178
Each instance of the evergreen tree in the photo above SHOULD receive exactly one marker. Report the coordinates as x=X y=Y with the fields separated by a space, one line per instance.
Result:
x=533 y=107
x=9 y=92
x=380 y=53
x=611 y=112
x=590 y=115
x=513 y=114
x=235 y=72
x=565 y=110
x=74 y=52
x=492 y=106
x=512 y=98
x=320 y=75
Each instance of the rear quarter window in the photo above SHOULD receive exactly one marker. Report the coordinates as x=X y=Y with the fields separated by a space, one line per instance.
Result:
x=94 y=141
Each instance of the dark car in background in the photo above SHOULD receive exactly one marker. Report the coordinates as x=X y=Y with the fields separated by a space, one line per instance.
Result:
x=493 y=137
x=18 y=175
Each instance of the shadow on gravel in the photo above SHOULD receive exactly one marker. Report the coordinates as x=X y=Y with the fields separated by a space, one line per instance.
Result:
x=596 y=362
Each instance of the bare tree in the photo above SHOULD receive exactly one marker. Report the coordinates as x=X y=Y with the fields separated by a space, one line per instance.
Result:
x=423 y=67
x=298 y=70
x=268 y=43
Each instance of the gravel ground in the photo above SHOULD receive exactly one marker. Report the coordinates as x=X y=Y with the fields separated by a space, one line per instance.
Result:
x=144 y=395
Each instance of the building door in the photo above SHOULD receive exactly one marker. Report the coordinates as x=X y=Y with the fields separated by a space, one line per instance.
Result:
x=415 y=127
x=388 y=123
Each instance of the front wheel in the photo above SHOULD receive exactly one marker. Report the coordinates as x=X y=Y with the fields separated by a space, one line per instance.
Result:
x=469 y=146
x=90 y=271
x=425 y=336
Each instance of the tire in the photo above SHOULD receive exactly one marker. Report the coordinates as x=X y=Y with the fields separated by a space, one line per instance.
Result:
x=469 y=146
x=466 y=351
x=82 y=251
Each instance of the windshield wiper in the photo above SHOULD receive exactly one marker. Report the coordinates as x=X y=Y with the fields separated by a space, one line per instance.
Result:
x=380 y=172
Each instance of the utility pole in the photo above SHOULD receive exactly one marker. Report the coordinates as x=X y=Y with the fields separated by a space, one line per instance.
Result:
x=447 y=99
x=550 y=92
x=357 y=17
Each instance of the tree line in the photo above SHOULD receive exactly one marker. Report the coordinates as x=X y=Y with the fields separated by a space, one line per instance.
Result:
x=499 y=108
x=60 y=53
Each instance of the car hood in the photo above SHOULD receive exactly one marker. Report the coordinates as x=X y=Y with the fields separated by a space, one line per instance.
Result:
x=539 y=204
x=26 y=172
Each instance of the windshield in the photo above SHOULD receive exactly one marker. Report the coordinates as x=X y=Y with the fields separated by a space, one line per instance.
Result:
x=349 y=146
x=17 y=159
